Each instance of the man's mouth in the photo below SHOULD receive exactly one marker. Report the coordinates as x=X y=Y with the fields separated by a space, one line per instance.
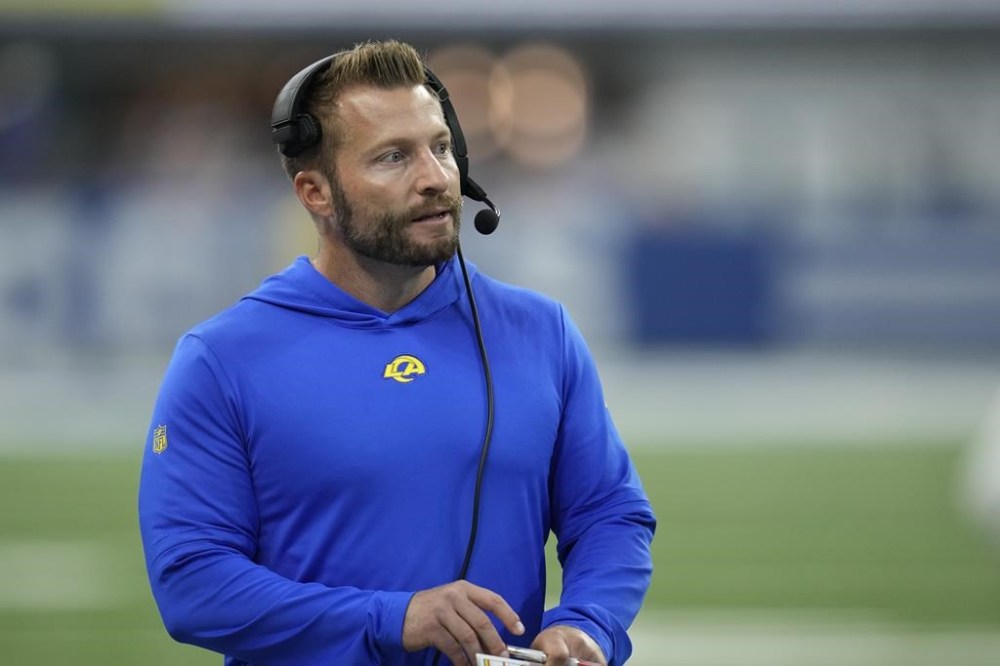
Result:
x=433 y=216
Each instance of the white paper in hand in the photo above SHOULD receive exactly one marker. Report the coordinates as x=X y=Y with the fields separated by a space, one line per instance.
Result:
x=489 y=660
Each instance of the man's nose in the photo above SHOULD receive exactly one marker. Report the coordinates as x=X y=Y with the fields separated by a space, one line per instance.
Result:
x=435 y=173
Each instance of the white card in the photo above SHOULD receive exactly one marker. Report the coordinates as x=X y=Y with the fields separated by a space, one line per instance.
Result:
x=489 y=660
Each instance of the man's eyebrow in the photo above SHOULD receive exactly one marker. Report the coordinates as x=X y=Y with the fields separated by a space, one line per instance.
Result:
x=409 y=141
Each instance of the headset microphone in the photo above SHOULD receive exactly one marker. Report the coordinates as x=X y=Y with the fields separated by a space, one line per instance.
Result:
x=488 y=219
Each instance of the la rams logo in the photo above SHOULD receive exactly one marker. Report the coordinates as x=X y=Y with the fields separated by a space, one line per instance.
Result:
x=404 y=368
x=160 y=439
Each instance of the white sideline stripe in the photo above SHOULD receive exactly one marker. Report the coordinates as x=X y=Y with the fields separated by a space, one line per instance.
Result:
x=763 y=639
x=57 y=575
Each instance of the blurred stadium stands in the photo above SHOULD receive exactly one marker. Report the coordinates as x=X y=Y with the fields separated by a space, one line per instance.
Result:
x=840 y=186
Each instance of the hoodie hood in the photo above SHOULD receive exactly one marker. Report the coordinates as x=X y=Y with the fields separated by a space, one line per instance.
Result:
x=301 y=287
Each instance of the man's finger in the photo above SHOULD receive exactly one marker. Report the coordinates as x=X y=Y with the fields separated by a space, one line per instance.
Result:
x=487 y=633
x=465 y=636
x=495 y=604
x=447 y=644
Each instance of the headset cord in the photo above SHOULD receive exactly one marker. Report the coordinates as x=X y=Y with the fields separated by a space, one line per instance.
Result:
x=487 y=437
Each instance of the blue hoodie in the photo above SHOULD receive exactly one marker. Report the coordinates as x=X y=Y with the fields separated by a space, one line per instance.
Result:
x=311 y=463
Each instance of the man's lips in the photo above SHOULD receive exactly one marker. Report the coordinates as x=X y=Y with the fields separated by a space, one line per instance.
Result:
x=433 y=215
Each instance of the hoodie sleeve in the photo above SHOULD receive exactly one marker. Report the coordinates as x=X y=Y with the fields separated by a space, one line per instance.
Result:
x=198 y=520
x=601 y=516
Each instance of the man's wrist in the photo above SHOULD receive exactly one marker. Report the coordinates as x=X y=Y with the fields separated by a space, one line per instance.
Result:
x=387 y=610
x=566 y=617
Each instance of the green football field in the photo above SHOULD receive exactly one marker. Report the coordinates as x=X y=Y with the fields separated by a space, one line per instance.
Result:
x=868 y=530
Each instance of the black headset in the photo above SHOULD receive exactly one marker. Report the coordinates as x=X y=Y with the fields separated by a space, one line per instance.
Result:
x=295 y=130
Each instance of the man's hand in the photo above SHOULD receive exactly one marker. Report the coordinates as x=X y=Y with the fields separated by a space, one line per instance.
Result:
x=560 y=642
x=451 y=618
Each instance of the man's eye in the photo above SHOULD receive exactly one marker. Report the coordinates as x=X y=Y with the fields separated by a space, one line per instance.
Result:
x=394 y=156
x=444 y=148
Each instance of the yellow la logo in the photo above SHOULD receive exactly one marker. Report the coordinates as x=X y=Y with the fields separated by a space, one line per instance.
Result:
x=403 y=368
x=160 y=439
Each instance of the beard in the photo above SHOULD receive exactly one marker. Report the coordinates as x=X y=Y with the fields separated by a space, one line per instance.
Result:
x=383 y=236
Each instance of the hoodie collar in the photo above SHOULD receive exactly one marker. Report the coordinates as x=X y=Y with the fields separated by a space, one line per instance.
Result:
x=301 y=287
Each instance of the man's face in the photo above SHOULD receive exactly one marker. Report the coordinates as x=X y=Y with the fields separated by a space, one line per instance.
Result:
x=395 y=183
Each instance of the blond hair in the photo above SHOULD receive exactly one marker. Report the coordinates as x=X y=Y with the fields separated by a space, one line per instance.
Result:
x=383 y=64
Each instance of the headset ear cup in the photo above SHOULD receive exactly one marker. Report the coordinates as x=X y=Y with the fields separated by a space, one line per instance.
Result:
x=310 y=131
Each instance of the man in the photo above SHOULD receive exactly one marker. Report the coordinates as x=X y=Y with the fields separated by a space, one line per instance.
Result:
x=311 y=469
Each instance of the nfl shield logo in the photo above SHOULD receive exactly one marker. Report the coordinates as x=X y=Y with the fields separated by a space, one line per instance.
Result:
x=160 y=439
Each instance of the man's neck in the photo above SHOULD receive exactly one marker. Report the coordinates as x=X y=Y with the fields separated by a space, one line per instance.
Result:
x=387 y=287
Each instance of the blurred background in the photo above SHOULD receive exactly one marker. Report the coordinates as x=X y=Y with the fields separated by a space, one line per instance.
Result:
x=777 y=223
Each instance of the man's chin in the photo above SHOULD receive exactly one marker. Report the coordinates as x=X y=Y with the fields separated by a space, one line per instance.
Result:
x=433 y=241
x=433 y=254
x=440 y=254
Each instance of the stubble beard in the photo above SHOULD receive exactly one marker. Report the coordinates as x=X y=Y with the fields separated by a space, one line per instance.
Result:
x=385 y=238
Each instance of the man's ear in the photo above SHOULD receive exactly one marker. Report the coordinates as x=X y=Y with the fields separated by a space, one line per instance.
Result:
x=313 y=190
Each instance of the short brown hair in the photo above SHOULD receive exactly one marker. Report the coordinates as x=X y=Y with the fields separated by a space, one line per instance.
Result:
x=384 y=64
